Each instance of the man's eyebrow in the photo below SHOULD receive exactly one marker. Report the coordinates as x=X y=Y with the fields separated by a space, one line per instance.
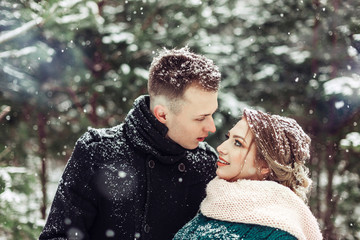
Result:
x=207 y=114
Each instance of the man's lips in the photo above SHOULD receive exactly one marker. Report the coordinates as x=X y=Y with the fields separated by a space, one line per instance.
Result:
x=200 y=139
x=222 y=162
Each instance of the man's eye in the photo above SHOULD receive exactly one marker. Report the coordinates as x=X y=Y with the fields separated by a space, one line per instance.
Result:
x=200 y=119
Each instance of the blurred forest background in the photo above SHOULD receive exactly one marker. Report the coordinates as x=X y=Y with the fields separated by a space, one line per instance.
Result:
x=66 y=65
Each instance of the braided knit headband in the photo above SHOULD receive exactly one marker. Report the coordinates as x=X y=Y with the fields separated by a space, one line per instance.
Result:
x=281 y=142
x=279 y=138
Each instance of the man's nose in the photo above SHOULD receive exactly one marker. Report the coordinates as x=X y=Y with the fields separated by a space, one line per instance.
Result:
x=210 y=127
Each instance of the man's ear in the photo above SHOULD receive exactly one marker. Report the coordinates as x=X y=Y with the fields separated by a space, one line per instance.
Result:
x=160 y=113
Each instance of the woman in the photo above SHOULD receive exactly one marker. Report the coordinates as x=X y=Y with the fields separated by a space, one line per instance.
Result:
x=261 y=187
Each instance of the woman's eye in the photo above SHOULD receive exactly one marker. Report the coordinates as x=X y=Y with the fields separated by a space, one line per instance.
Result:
x=238 y=143
x=226 y=136
x=200 y=119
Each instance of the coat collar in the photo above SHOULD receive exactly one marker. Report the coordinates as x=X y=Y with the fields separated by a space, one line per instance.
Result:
x=147 y=134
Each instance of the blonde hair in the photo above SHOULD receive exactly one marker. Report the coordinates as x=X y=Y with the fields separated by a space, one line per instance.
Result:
x=285 y=148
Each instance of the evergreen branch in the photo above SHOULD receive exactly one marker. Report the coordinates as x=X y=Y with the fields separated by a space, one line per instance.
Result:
x=4 y=112
x=5 y=152
x=20 y=30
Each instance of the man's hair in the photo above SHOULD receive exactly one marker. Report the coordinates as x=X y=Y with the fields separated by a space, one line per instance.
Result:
x=173 y=71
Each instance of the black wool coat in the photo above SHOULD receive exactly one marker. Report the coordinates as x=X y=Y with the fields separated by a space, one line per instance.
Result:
x=129 y=182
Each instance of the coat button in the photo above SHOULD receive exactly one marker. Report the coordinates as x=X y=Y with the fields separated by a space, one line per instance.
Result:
x=147 y=228
x=181 y=167
x=151 y=164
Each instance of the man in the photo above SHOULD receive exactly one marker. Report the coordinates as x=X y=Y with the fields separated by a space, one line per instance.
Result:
x=145 y=178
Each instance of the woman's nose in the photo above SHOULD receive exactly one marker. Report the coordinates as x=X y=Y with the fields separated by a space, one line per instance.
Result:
x=221 y=149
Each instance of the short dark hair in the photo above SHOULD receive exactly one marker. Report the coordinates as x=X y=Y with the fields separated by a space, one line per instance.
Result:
x=173 y=71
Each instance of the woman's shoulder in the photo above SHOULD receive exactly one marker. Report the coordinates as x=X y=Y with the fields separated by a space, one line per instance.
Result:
x=202 y=227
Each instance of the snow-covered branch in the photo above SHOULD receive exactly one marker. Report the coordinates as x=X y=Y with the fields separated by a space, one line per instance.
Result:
x=20 y=30
x=5 y=111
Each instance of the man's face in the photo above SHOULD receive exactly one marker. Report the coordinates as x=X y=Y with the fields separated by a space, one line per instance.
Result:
x=194 y=121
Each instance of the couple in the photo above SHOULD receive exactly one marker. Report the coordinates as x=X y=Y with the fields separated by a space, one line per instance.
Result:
x=146 y=178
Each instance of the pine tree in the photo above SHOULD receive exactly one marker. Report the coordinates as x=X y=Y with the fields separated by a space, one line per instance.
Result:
x=68 y=65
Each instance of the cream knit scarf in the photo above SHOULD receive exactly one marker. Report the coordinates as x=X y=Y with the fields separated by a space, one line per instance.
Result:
x=264 y=203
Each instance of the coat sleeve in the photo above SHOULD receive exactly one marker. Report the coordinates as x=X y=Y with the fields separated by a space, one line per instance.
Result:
x=74 y=207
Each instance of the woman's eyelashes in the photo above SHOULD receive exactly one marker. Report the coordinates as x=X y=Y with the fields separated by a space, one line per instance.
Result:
x=236 y=141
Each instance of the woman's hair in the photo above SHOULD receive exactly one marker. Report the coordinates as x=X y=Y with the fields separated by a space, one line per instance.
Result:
x=173 y=71
x=285 y=148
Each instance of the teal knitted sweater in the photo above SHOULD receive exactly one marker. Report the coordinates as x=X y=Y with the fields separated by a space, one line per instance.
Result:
x=202 y=227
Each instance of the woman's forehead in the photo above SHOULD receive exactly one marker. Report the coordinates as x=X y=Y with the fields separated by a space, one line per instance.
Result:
x=242 y=129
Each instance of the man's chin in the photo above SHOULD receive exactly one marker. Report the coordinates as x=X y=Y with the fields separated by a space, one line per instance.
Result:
x=191 y=147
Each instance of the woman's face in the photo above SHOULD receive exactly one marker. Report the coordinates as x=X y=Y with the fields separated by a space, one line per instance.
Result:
x=237 y=154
